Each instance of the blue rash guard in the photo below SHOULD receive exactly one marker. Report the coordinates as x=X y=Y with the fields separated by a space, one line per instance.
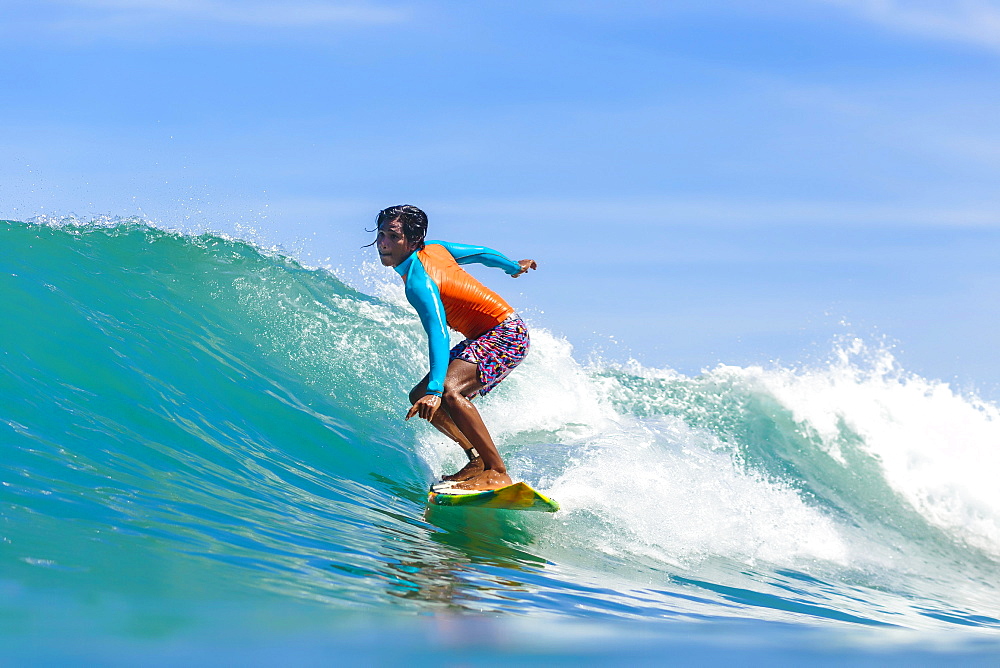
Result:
x=445 y=295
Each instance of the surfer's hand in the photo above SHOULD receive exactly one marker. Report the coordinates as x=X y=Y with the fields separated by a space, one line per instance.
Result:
x=525 y=266
x=426 y=406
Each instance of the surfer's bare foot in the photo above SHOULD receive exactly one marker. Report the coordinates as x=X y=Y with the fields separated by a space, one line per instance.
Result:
x=470 y=470
x=488 y=479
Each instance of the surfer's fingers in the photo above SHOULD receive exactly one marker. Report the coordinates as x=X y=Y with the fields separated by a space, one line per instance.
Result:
x=413 y=411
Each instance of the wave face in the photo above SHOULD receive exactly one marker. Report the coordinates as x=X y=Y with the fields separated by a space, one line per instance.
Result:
x=188 y=419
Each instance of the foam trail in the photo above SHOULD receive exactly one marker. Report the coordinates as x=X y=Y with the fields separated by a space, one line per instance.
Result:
x=678 y=496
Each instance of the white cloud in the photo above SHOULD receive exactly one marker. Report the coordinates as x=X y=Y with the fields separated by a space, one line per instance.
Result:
x=974 y=22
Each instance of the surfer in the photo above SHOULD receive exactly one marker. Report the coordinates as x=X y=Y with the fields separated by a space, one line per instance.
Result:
x=445 y=295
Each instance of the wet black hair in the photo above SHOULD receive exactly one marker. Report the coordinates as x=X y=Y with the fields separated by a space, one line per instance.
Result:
x=412 y=219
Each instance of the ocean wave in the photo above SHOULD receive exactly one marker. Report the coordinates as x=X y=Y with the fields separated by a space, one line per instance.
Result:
x=232 y=416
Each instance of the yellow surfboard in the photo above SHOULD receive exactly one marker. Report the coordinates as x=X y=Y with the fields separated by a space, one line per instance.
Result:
x=519 y=496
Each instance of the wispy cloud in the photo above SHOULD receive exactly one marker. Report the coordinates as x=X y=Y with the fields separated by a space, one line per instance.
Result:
x=974 y=22
x=270 y=13
x=668 y=211
x=96 y=18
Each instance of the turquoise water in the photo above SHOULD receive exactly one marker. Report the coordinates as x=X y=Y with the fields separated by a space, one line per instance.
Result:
x=203 y=447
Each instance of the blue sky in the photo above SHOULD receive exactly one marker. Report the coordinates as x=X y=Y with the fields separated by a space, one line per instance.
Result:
x=704 y=182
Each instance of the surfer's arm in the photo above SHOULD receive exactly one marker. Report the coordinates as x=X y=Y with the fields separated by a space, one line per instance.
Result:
x=423 y=293
x=465 y=254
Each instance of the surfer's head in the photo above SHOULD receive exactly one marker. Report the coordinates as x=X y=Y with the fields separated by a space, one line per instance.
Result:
x=400 y=231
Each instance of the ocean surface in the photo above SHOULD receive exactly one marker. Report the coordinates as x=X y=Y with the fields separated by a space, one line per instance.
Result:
x=203 y=456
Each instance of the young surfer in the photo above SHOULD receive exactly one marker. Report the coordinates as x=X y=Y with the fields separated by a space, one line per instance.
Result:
x=445 y=295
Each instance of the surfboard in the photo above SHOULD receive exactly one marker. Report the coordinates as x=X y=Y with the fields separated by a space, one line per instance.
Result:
x=519 y=496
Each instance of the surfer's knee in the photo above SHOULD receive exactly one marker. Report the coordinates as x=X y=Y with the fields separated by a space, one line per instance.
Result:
x=417 y=392
x=452 y=397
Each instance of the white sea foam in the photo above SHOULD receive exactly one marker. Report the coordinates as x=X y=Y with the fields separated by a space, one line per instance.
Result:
x=939 y=450
x=656 y=488
x=676 y=494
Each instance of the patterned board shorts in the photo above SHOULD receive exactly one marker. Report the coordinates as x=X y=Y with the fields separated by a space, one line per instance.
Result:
x=496 y=352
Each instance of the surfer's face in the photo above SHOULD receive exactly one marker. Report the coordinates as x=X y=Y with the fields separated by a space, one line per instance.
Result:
x=392 y=244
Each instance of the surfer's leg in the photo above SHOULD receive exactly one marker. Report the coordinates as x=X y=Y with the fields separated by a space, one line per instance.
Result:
x=461 y=382
x=442 y=422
